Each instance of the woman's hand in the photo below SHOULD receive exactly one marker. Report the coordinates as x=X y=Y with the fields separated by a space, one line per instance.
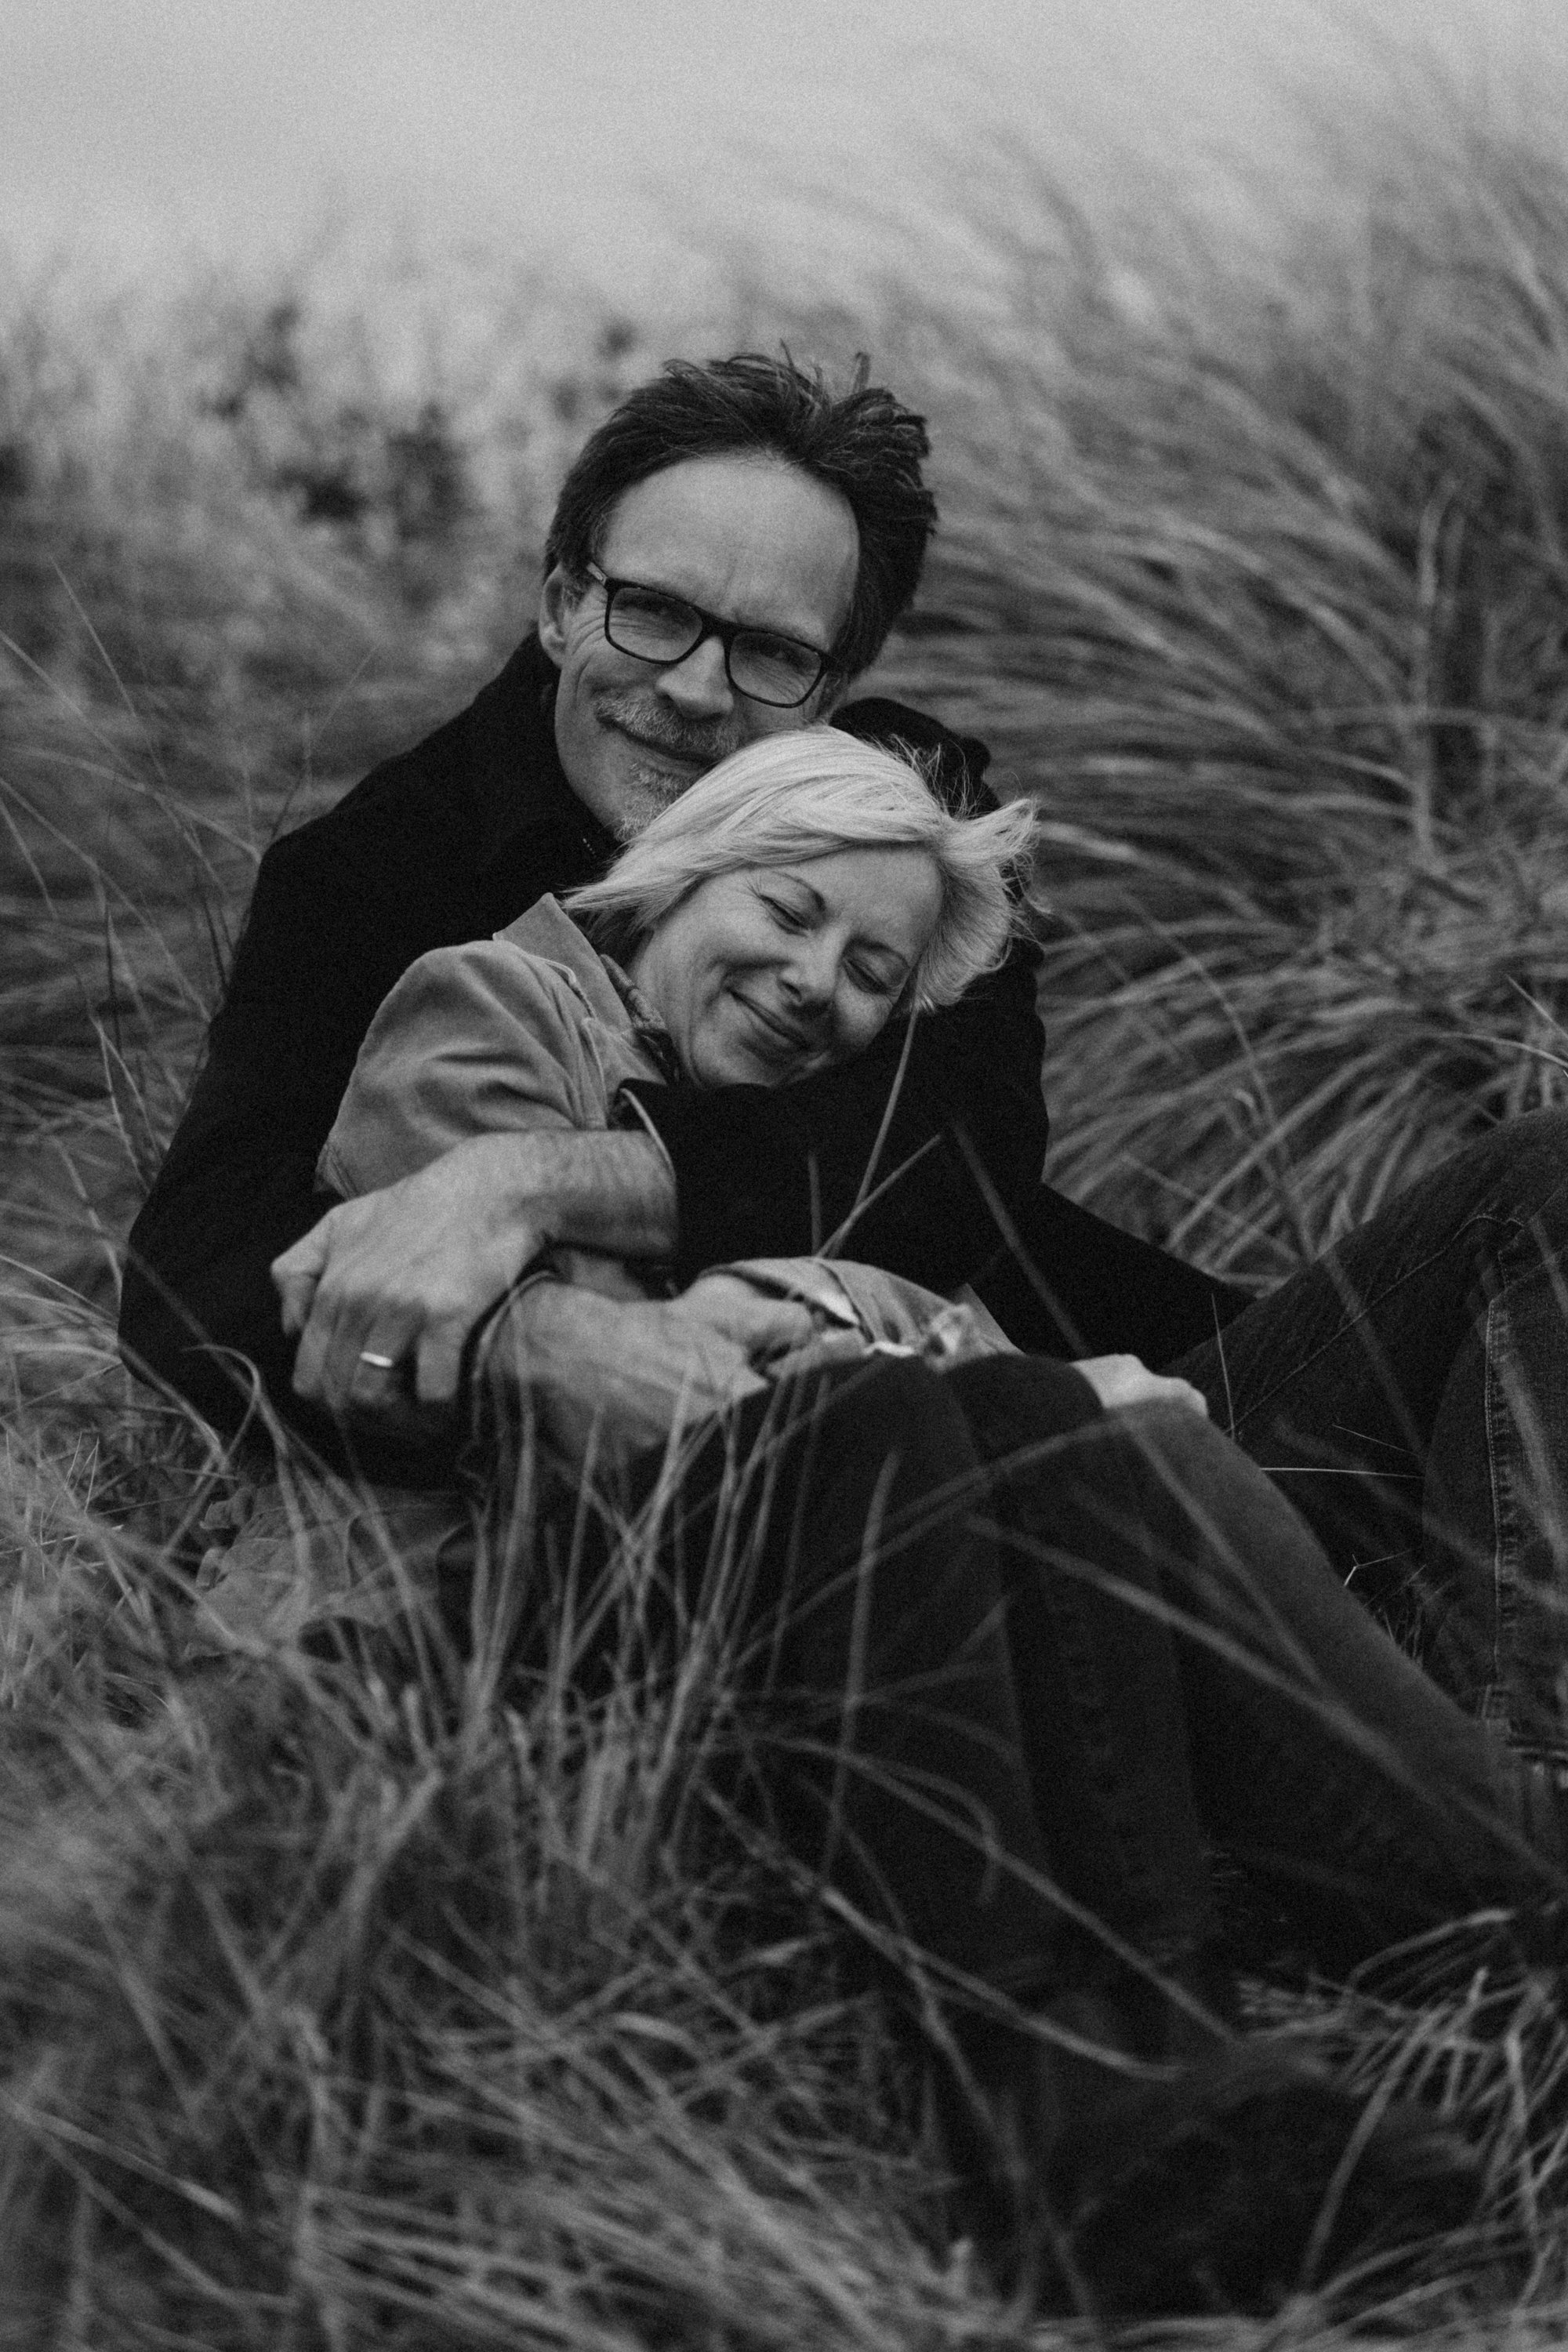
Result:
x=612 y=1377
x=1118 y=1381
x=761 y=1326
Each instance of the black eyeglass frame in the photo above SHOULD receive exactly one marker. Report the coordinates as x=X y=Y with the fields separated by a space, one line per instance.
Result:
x=709 y=625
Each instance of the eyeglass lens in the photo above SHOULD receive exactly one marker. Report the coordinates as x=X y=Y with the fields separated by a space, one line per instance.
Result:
x=653 y=627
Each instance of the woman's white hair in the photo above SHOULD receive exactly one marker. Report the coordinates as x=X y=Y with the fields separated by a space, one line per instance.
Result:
x=809 y=793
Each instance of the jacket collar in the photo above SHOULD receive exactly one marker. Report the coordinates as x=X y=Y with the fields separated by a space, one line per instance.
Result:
x=532 y=832
x=547 y=931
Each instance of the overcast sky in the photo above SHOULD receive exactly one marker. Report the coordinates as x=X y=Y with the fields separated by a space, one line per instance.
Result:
x=605 y=132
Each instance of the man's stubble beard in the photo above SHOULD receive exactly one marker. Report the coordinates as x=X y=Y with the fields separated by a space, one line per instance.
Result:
x=647 y=794
x=650 y=789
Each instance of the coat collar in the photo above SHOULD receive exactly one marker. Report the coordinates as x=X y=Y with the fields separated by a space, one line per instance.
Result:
x=531 y=829
x=547 y=931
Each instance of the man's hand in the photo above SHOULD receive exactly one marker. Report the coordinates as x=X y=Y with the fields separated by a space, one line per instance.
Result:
x=1126 y=1380
x=403 y=1274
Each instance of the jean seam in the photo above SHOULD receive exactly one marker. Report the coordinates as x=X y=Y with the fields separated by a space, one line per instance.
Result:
x=1138 y=1868
x=1495 y=1708
x=1510 y=1226
x=1506 y=1706
x=1141 y=1859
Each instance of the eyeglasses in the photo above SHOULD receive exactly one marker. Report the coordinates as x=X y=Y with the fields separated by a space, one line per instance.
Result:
x=655 y=627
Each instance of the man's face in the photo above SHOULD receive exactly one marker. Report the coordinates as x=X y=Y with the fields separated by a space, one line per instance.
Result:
x=749 y=539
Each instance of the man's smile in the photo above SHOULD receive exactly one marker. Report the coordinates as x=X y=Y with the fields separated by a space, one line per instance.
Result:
x=663 y=754
x=694 y=759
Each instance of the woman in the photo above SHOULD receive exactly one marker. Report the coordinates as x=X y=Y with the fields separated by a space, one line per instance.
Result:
x=1020 y=1637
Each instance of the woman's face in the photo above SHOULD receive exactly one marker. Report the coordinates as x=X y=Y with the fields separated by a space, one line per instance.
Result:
x=767 y=974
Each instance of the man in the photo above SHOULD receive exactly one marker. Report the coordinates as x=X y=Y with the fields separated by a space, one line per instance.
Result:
x=729 y=553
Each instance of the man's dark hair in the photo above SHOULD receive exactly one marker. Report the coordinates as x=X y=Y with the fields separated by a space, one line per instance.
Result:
x=861 y=443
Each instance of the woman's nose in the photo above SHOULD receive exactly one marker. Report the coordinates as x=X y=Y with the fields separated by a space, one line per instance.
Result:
x=698 y=686
x=811 y=975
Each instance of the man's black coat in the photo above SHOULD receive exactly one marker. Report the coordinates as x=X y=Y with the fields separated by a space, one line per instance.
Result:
x=449 y=843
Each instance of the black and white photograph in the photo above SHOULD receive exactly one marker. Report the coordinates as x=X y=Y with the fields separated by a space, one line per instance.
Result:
x=784 y=1143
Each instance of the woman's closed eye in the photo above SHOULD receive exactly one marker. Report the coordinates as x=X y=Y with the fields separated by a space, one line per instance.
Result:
x=788 y=918
x=874 y=979
x=870 y=974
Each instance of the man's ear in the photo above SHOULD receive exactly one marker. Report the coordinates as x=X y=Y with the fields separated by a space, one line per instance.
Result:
x=556 y=599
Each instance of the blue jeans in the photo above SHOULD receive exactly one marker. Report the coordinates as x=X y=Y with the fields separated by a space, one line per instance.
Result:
x=1010 y=1663
x=1409 y=1393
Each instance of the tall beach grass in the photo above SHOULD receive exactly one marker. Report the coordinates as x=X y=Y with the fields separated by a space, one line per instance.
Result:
x=340 y=2009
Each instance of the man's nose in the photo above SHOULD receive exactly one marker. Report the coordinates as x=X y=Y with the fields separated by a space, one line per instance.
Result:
x=699 y=686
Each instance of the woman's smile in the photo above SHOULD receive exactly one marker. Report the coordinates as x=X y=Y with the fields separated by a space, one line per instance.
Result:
x=790 y=1037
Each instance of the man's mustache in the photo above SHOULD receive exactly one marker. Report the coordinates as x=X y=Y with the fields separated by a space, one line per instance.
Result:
x=662 y=731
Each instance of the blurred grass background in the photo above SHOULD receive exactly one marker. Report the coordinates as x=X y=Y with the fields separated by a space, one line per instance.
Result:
x=1254 y=571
